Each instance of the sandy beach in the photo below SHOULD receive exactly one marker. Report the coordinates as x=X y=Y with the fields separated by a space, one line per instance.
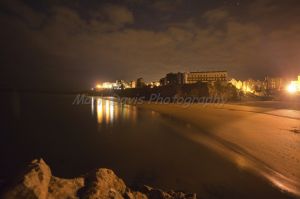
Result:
x=265 y=137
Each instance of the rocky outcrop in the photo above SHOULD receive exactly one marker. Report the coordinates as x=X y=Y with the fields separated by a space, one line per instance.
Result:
x=33 y=182
x=37 y=182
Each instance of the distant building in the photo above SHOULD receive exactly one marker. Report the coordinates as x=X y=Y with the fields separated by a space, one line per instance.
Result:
x=237 y=83
x=252 y=86
x=248 y=86
x=105 y=85
x=204 y=76
x=163 y=81
x=140 y=83
x=268 y=86
x=132 y=84
x=121 y=84
x=194 y=77
x=272 y=83
x=174 y=78
x=153 y=84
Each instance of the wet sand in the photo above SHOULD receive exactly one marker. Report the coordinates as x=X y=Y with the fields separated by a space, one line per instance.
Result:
x=259 y=139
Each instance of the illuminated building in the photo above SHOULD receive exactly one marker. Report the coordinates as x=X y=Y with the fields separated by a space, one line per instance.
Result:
x=274 y=83
x=270 y=86
x=249 y=86
x=153 y=84
x=119 y=84
x=132 y=84
x=237 y=83
x=105 y=85
x=194 y=77
x=204 y=76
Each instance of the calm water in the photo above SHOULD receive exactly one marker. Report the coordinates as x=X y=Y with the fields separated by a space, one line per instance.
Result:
x=140 y=146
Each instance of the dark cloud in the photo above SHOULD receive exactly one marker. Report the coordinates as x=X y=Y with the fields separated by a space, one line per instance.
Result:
x=216 y=15
x=73 y=47
x=118 y=14
x=167 y=5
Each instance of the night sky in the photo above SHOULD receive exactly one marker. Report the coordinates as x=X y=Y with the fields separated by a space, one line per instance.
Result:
x=72 y=44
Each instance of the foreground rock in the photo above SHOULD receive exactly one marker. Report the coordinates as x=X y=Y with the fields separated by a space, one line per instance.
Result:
x=37 y=182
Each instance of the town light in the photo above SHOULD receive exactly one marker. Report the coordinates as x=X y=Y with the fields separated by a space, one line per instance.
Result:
x=292 y=87
x=105 y=85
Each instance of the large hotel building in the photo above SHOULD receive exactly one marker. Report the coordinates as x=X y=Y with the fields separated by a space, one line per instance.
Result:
x=205 y=76
x=194 y=77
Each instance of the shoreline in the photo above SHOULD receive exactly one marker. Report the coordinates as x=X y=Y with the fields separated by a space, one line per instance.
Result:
x=228 y=125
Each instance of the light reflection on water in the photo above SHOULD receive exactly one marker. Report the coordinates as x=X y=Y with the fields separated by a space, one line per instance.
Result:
x=109 y=112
